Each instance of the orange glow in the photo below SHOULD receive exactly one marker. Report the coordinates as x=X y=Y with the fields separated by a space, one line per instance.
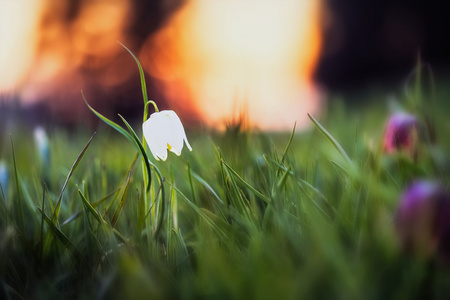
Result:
x=18 y=23
x=51 y=50
x=222 y=58
x=213 y=60
x=87 y=41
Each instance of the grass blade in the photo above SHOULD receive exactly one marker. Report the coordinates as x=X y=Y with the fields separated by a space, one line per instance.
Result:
x=90 y=208
x=288 y=144
x=331 y=139
x=160 y=217
x=191 y=183
x=202 y=215
x=95 y=204
x=121 y=202
x=141 y=149
x=108 y=121
x=19 y=197
x=255 y=191
x=207 y=186
x=99 y=218
x=63 y=238
x=74 y=166
x=41 y=248
x=141 y=74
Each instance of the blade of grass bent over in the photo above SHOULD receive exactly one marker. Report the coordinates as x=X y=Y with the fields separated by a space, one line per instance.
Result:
x=331 y=139
x=108 y=121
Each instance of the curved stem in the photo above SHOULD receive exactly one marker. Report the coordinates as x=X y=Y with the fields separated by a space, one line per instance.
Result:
x=146 y=108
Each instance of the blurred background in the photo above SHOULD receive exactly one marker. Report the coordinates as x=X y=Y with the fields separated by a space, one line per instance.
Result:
x=212 y=61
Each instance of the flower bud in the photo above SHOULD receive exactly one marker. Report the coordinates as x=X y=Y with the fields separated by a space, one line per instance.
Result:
x=423 y=219
x=400 y=133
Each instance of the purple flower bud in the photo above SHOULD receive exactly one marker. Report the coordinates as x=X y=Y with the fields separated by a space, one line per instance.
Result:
x=423 y=219
x=399 y=132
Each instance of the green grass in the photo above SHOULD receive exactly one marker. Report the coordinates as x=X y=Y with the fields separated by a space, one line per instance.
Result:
x=246 y=214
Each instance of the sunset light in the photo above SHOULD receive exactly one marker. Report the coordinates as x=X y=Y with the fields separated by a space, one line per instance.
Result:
x=18 y=22
x=225 y=58
x=212 y=61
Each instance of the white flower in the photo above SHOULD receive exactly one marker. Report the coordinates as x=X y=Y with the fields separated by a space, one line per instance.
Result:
x=41 y=140
x=163 y=130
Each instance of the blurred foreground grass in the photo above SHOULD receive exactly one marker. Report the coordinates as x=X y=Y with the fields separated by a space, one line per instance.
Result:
x=246 y=214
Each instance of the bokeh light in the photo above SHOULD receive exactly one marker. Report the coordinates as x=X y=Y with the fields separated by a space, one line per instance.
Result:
x=225 y=58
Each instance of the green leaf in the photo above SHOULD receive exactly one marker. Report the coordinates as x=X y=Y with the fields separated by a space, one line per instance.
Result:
x=141 y=74
x=141 y=149
x=107 y=121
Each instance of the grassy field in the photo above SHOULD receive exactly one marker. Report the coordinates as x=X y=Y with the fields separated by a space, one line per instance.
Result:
x=246 y=214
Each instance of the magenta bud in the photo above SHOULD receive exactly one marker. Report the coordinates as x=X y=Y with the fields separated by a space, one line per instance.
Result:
x=423 y=219
x=400 y=132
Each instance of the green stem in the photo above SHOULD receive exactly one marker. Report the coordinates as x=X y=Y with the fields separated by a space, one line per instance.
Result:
x=146 y=178
x=146 y=108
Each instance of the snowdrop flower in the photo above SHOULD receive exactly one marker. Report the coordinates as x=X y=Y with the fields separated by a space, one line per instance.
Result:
x=41 y=140
x=163 y=130
x=399 y=132
x=423 y=219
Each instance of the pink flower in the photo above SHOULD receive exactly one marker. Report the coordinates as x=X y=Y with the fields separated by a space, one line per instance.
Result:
x=423 y=219
x=400 y=132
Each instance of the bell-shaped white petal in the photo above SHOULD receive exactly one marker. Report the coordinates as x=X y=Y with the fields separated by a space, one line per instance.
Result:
x=163 y=130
